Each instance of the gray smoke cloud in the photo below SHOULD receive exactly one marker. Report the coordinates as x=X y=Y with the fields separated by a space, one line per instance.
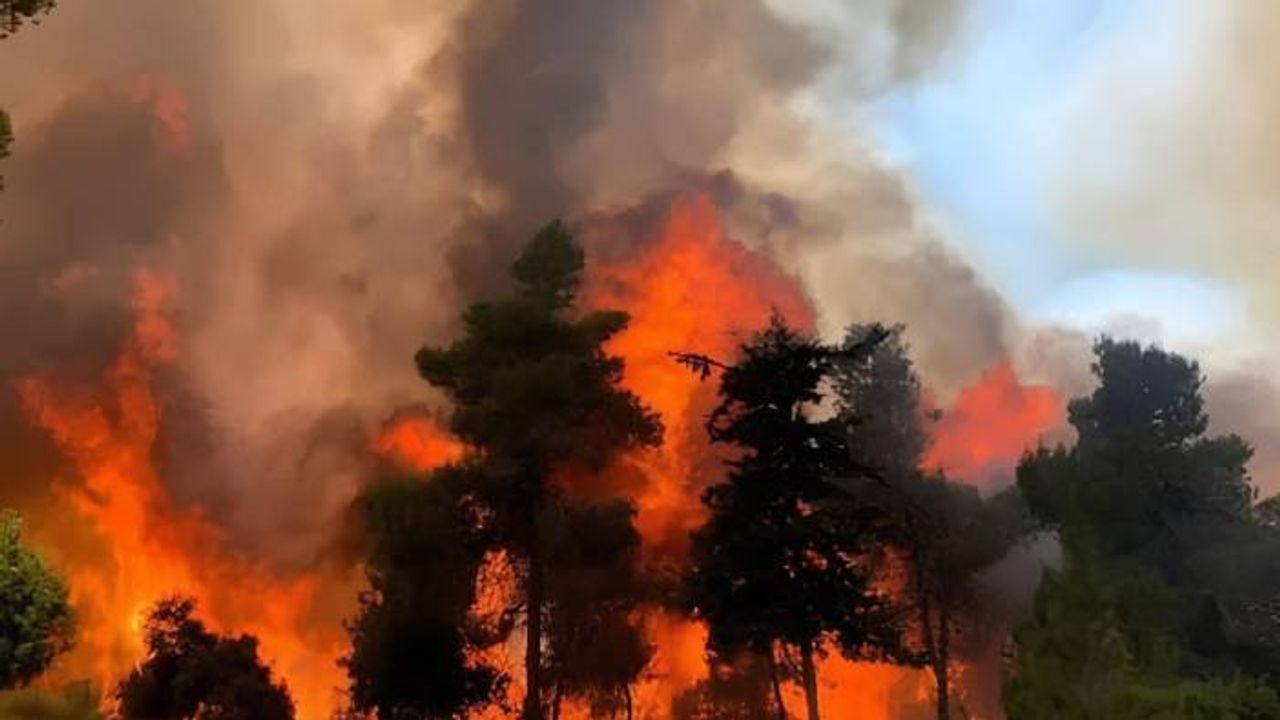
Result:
x=329 y=183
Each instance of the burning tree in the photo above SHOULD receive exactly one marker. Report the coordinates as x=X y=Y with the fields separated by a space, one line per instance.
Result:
x=35 y=615
x=534 y=393
x=779 y=564
x=946 y=533
x=424 y=545
x=192 y=673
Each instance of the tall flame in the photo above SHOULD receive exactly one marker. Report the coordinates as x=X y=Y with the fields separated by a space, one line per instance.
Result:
x=150 y=548
x=695 y=289
x=692 y=288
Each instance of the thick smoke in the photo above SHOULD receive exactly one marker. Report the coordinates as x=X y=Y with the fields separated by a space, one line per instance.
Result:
x=1167 y=164
x=330 y=182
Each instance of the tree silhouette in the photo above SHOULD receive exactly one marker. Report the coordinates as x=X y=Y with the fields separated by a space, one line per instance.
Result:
x=779 y=561
x=1146 y=492
x=36 y=623
x=596 y=648
x=424 y=542
x=534 y=392
x=192 y=673
x=13 y=13
x=946 y=533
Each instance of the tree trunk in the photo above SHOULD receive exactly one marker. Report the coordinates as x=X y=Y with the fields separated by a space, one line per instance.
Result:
x=557 y=698
x=810 y=679
x=935 y=644
x=626 y=693
x=941 y=661
x=533 y=639
x=776 y=683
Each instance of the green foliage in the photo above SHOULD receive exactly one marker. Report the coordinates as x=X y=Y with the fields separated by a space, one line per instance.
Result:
x=1168 y=588
x=1143 y=466
x=424 y=543
x=1096 y=647
x=13 y=13
x=36 y=622
x=76 y=702
x=532 y=387
x=191 y=673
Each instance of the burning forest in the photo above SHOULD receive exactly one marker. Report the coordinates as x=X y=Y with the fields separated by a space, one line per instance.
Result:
x=568 y=359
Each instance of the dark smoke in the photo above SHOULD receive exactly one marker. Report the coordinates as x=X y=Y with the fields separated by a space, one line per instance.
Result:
x=343 y=178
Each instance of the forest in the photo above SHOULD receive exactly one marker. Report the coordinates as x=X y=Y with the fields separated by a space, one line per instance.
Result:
x=825 y=537
x=645 y=463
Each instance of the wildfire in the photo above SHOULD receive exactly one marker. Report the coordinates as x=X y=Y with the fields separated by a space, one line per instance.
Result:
x=693 y=289
x=150 y=548
x=991 y=424
x=417 y=443
x=696 y=289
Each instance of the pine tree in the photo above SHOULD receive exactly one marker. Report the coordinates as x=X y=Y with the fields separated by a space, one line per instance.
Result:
x=778 y=565
x=534 y=392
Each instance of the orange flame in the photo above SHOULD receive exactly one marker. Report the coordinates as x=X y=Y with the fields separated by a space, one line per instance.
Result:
x=151 y=549
x=991 y=424
x=695 y=289
x=417 y=443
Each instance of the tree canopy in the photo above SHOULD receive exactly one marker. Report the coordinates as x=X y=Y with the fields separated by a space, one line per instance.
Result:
x=780 y=560
x=940 y=535
x=534 y=393
x=192 y=673
x=424 y=542
x=1166 y=558
x=15 y=13
x=36 y=622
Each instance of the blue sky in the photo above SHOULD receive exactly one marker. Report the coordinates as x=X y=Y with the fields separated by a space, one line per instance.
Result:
x=982 y=136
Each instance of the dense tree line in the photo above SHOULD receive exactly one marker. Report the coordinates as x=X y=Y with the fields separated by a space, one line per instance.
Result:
x=1166 y=602
x=825 y=537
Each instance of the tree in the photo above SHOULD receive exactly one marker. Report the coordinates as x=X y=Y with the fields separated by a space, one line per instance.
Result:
x=534 y=392
x=946 y=533
x=596 y=648
x=13 y=13
x=424 y=541
x=36 y=622
x=1096 y=647
x=1149 y=486
x=779 y=561
x=191 y=673
x=1142 y=469
x=1147 y=493
x=737 y=690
